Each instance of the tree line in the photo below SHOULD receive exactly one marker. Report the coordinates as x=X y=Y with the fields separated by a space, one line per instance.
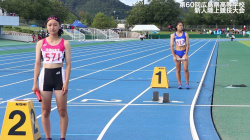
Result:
x=95 y=6
x=159 y=12
x=39 y=10
x=167 y=12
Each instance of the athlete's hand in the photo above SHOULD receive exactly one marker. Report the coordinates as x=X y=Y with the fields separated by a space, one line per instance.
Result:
x=175 y=59
x=65 y=89
x=185 y=56
x=35 y=87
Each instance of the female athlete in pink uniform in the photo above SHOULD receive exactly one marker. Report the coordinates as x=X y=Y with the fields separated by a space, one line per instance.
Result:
x=180 y=53
x=52 y=51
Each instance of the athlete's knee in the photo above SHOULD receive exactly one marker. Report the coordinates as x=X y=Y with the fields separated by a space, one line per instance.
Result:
x=62 y=112
x=178 y=70
x=45 y=113
x=186 y=70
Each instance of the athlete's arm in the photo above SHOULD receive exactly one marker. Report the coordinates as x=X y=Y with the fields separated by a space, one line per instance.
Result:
x=37 y=65
x=172 y=46
x=68 y=66
x=187 y=46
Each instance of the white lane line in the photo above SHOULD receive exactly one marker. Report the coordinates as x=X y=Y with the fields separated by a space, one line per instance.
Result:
x=118 y=65
x=131 y=61
x=16 y=97
x=8 y=63
x=4 y=56
x=105 y=101
x=72 y=54
x=120 y=104
x=18 y=66
x=15 y=55
x=119 y=53
x=158 y=101
x=16 y=73
x=88 y=58
x=92 y=72
x=191 y=114
x=79 y=60
x=93 y=64
x=109 y=70
x=78 y=50
x=110 y=82
x=120 y=111
x=72 y=61
x=30 y=54
x=123 y=56
x=16 y=82
x=98 y=70
x=91 y=51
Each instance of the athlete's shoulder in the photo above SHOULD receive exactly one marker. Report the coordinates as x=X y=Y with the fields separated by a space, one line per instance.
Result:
x=66 y=43
x=39 y=43
x=172 y=35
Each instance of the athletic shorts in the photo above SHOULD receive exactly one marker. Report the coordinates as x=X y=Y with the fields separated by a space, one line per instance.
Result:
x=51 y=79
x=180 y=53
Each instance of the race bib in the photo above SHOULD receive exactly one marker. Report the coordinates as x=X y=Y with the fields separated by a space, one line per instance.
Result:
x=180 y=42
x=53 y=57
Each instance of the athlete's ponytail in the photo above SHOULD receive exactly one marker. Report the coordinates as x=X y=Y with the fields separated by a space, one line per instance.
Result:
x=60 y=32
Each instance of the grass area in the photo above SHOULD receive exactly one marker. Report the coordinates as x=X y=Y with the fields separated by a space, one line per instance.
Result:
x=10 y=28
x=231 y=122
x=245 y=43
x=6 y=43
x=24 y=29
x=31 y=28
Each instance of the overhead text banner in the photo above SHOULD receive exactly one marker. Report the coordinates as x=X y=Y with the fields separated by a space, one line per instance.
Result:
x=215 y=7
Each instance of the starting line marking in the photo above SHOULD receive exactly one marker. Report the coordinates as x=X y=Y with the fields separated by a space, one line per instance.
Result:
x=170 y=101
x=105 y=101
x=119 y=104
x=54 y=134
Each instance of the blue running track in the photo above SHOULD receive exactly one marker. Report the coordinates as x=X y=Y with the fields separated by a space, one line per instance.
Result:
x=110 y=96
